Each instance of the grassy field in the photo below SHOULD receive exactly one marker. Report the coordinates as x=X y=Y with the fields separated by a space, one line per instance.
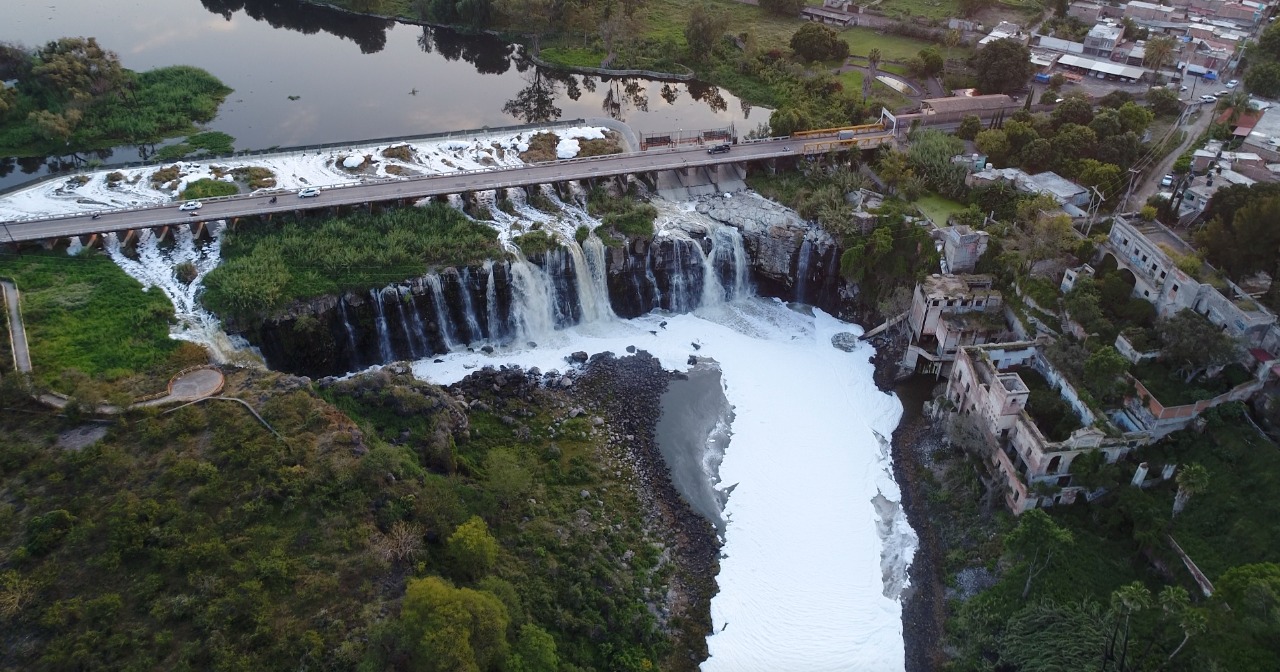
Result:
x=852 y=81
x=938 y=208
x=84 y=313
x=893 y=47
x=932 y=9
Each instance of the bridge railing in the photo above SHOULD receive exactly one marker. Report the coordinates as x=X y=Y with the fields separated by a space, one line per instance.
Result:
x=376 y=179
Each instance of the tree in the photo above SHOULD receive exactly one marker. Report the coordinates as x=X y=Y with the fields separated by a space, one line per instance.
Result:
x=1035 y=541
x=873 y=65
x=1105 y=123
x=1263 y=79
x=1192 y=342
x=1038 y=155
x=1104 y=176
x=1074 y=110
x=1269 y=43
x=894 y=169
x=473 y=548
x=76 y=69
x=1126 y=601
x=994 y=144
x=1073 y=142
x=1192 y=479
x=1163 y=101
x=535 y=651
x=506 y=476
x=447 y=629
x=1003 y=66
x=787 y=120
x=932 y=61
x=705 y=28
x=970 y=127
x=1102 y=371
x=816 y=42
x=1048 y=637
x=1176 y=604
x=1157 y=52
x=782 y=7
x=1241 y=238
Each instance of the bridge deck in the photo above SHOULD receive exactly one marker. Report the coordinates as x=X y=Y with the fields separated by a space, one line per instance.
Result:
x=415 y=188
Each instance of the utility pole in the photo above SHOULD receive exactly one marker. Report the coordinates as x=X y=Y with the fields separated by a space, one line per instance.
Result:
x=1095 y=202
x=1125 y=204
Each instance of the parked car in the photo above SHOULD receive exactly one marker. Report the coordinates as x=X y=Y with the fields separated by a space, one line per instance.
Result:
x=1206 y=98
x=309 y=192
x=191 y=205
x=1233 y=83
x=718 y=149
x=1182 y=89
x=1167 y=181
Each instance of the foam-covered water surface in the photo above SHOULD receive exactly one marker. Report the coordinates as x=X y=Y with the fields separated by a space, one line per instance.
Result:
x=802 y=584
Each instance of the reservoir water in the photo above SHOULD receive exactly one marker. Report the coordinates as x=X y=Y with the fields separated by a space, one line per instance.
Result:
x=305 y=74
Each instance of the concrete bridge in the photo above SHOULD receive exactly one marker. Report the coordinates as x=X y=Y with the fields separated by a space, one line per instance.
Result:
x=409 y=189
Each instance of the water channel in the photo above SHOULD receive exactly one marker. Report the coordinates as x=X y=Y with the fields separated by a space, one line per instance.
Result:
x=350 y=77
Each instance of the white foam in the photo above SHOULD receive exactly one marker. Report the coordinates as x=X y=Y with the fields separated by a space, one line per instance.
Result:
x=802 y=586
x=294 y=170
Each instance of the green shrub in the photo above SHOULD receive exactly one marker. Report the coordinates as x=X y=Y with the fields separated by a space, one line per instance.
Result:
x=536 y=242
x=209 y=188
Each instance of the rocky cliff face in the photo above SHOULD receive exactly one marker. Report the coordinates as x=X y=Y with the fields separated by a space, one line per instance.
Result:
x=784 y=257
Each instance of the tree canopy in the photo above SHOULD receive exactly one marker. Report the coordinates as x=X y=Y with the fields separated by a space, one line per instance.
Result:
x=817 y=42
x=1003 y=66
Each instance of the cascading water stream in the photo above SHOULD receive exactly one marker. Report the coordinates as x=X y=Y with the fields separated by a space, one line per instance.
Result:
x=491 y=300
x=712 y=289
x=442 y=318
x=404 y=322
x=351 y=332
x=156 y=267
x=650 y=277
x=385 y=353
x=534 y=309
x=419 y=327
x=802 y=269
x=468 y=307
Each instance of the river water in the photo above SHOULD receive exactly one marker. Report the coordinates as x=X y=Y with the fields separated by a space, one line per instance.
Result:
x=352 y=77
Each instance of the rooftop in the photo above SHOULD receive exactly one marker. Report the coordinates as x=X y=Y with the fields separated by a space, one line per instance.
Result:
x=1103 y=31
x=957 y=285
x=967 y=103
x=1139 y=4
x=1267 y=130
x=1105 y=67
x=1057 y=185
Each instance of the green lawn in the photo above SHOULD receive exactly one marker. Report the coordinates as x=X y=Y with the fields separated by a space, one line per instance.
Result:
x=893 y=47
x=852 y=81
x=933 y=9
x=85 y=313
x=938 y=208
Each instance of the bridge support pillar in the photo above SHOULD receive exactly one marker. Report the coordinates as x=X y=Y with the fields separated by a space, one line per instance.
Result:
x=129 y=238
x=771 y=165
x=197 y=230
x=91 y=240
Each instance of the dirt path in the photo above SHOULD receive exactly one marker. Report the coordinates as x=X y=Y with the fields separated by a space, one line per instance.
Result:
x=17 y=331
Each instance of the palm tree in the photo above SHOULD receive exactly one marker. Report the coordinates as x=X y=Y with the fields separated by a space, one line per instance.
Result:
x=1126 y=601
x=1192 y=480
x=1157 y=52
x=1237 y=101
x=873 y=62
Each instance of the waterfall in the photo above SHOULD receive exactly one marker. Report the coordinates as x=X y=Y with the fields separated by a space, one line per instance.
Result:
x=468 y=308
x=648 y=275
x=802 y=269
x=679 y=294
x=589 y=272
x=491 y=300
x=712 y=289
x=404 y=323
x=419 y=327
x=533 y=309
x=351 y=333
x=442 y=318
x=156 y=267
x=455 y=201
x=738 y=257
x=385 y=352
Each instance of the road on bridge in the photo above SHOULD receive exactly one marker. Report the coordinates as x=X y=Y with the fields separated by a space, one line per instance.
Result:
x=410 y=188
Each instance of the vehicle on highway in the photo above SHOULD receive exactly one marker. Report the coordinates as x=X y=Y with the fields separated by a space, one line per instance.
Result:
x=719 y=149
x=1167 y=181
x=1233 y=84
x=309 y=192
x=191 y=205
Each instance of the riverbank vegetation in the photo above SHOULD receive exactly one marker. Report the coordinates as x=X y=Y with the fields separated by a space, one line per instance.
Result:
x=267 y=264
x=1116 y=589
x=392 y=528
x=73 y=95
x=89 y=324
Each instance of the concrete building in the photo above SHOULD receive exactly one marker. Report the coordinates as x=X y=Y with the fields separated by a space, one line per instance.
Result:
x=1141 y=251
x=985 y=386
x=1102 y=69
x=1146 y=10
x=1102 y=39
x=962 y=247
x=1086 y=12
x=949 y=312
x=1073 y=198
x=1005 y=31
x=961 y=105
x=1195 y=198
x=1264 y=137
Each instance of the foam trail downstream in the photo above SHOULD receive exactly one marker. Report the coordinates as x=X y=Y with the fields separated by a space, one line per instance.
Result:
x=815 y=546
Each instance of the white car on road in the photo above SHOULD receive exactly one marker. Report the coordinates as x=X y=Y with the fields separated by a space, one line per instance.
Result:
x=1233 y=83
x=191 y=205
x=1206 y=98
x=309 y=192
